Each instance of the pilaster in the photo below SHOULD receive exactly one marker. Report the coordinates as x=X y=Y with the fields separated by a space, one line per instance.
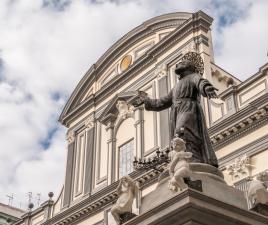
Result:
x=139 y=125
x=111 y=142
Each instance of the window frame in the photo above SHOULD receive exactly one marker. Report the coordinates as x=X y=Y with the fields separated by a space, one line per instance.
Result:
x=119 y=157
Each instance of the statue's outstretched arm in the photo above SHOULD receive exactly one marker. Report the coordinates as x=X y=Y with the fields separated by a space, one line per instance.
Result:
x=158 y=104
x=205 y=88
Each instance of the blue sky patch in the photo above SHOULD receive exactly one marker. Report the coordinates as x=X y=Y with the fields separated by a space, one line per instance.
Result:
x=58 y=5
x=47 y=141
x=56 y=96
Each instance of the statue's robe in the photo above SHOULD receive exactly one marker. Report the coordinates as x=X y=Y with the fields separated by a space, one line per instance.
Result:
x=186 y=112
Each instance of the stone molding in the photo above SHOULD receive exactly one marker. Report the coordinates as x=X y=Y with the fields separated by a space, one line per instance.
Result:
x=240 y=123
x=253 y=148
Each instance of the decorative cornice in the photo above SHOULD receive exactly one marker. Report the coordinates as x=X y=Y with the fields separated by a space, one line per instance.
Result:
x=238 y=130
x=240 y=123
x=250 y=149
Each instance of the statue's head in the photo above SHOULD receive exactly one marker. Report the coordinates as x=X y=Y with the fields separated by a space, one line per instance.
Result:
x=127 y=180
x=178 y=144
x=128 y=183
x=184 y=65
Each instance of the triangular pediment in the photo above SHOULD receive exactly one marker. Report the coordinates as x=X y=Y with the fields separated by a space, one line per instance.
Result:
x=111 y=111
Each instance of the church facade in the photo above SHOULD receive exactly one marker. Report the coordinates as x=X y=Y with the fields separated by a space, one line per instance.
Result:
x=105 y=132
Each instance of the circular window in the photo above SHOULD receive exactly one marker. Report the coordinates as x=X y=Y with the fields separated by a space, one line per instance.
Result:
x=125 y=63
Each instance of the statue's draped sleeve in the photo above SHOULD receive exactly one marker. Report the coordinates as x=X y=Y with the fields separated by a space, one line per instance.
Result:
x=201 y=83
x=158 y=104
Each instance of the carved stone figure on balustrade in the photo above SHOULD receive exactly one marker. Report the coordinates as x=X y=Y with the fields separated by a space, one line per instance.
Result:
x=257 y=191
x=126 y=194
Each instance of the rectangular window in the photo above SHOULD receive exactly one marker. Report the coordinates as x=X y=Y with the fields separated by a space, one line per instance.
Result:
x=126 y=158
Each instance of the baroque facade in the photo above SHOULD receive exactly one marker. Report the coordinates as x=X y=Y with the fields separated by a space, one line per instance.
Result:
x=105 y=132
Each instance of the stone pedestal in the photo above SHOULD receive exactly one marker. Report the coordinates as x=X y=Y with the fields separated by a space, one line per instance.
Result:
x=218 y=203
x=191 y=207
x=213 y=185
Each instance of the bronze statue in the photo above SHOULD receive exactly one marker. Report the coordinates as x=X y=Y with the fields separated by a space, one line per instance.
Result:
x=186 y=111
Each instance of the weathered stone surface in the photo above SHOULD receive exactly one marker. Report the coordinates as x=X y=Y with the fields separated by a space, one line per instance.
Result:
x=257 y=192
x=210 y=187
x=191 y=207
x=213 y=185
x=199 y=168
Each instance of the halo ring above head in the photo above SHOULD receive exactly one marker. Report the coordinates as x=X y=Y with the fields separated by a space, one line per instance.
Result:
x=196 y=60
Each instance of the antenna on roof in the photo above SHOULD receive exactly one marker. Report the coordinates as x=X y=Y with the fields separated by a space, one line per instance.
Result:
x=38 y=198
x=10 y=199
x=30 y=196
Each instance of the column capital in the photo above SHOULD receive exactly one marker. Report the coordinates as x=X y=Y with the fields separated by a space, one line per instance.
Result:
x=110 y=125
x=161 y=71
x=70 y=136
x=90 y=122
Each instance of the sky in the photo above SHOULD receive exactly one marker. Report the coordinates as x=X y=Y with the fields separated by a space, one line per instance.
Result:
x=46 y=46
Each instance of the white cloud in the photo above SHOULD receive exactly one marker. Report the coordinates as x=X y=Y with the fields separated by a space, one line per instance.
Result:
x=244 y=45
x=46 y=51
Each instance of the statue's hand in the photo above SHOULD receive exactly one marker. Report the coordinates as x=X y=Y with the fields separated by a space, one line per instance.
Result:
x=211 y=92
x=140 y=99
x=138 y=102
